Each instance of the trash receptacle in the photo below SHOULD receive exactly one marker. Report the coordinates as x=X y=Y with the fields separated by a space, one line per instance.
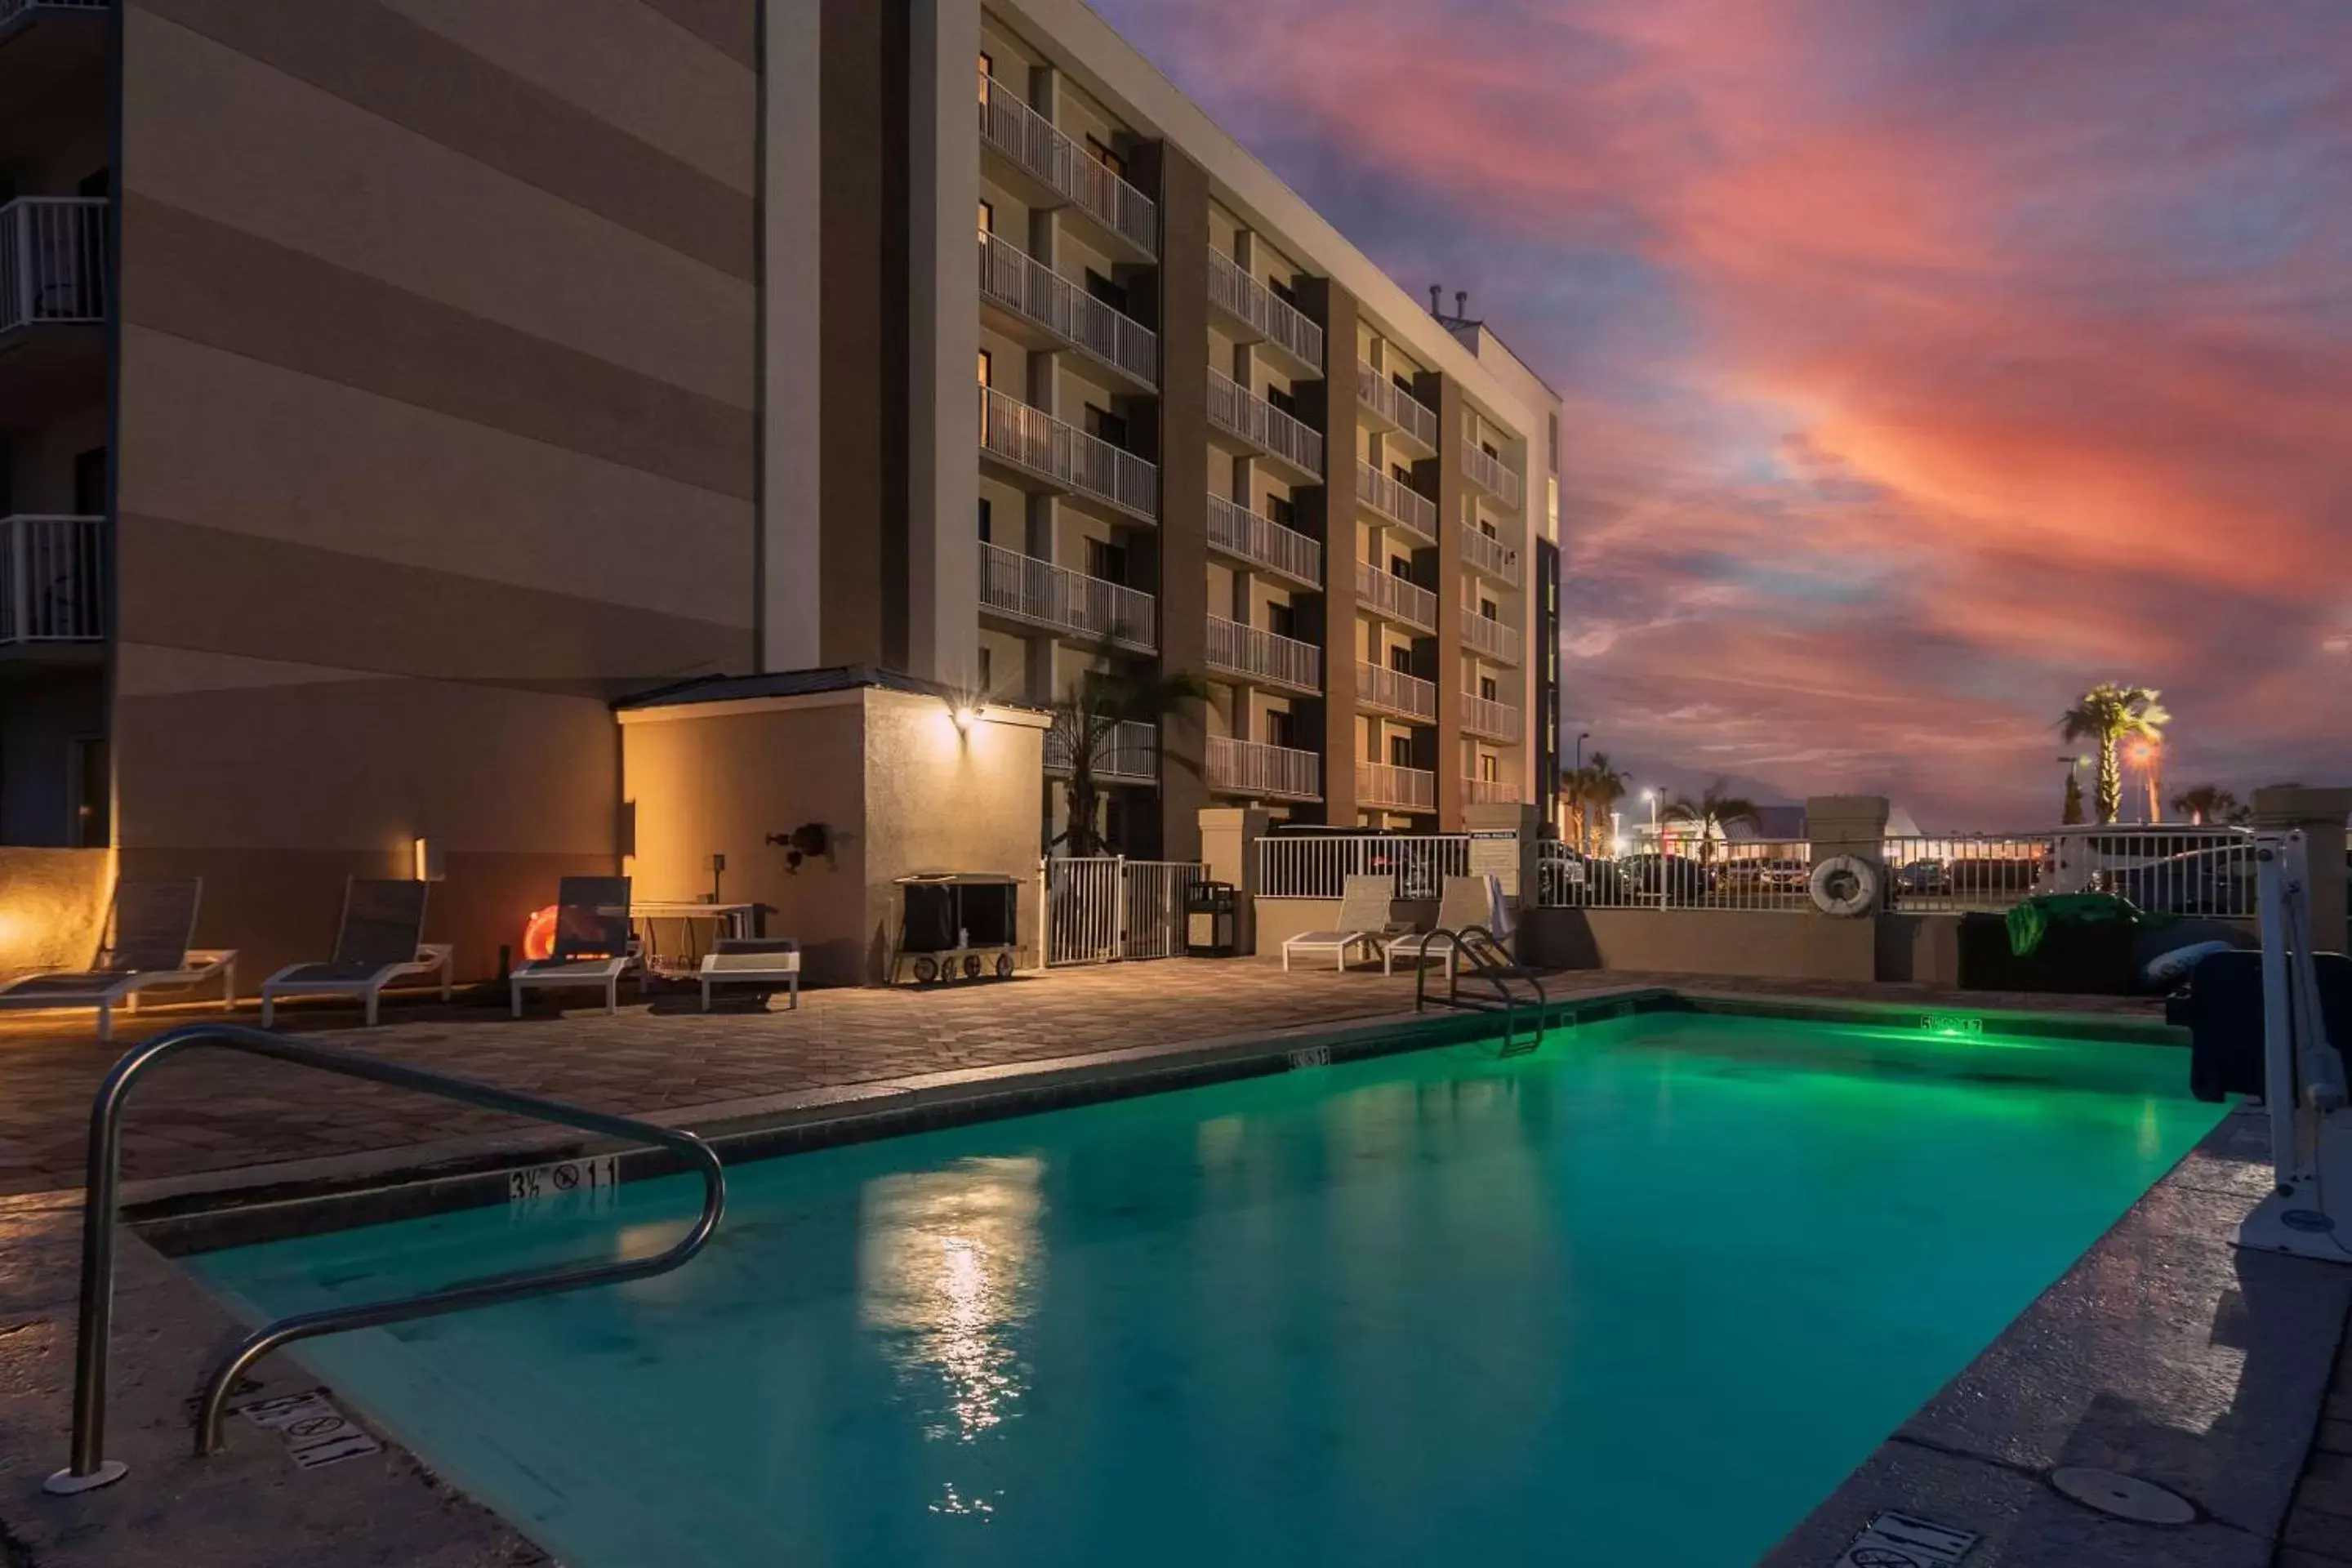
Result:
x=1210 y=920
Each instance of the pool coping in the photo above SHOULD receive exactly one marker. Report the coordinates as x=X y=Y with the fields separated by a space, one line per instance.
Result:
x=1975 y=1456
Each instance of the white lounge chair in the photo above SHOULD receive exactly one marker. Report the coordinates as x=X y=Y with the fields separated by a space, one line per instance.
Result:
x=1364 y=922
x=592 y=942
x=144 y=948
x=377 y=943
x=1466 y=901
x=752 y=961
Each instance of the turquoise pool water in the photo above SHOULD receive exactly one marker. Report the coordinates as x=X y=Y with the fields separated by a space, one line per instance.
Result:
x=1432 y=1308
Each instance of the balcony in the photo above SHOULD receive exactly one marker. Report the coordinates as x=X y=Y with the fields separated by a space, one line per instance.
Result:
x=46 y=43
x=1394 y=691
x=1492 y=639
x=1481 y=552
x=1018 y=282
x=52 y=262
x=1399 y=505
x=1489 y=475
x=1038 y=444
x=1398 y=598
x=1396 y=409
x=52 y=580
x=1241 y=413
x=1495 y=720
x=1264 y=316
x=1399 y=789
x=1127 y=753
x=1263 y=657
x=1262 y=541
x=1067 y=170
x=1044 y=594
x=1255 y=768
x=1490 y=792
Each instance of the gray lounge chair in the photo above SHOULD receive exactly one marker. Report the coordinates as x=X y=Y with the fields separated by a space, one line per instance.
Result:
x=1466 y=901
x=1364 y=922
x=144 y=948
x=378 y=942
x=592 y=942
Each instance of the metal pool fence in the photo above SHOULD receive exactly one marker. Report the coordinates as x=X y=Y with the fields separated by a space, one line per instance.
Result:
x=1742 y=874
x=1317 y=866
x=1103 y=909
x=2165 y=870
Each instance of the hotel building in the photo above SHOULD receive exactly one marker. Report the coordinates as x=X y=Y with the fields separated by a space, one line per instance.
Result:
x=388 y=388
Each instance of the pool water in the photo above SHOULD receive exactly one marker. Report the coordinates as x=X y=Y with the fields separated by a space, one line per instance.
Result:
x=1644 y=1296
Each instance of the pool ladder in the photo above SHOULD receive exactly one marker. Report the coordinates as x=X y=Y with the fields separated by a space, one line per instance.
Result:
x=1489 y=962
x=90 y=1468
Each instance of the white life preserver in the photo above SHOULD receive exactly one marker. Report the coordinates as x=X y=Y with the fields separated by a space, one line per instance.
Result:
x=1857 y=877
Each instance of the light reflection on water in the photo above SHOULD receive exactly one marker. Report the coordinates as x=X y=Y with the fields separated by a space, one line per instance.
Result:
x=947 y=1268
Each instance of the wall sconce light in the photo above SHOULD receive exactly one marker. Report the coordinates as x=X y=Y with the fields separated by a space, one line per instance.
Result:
x=429 y=860
x=965 y=718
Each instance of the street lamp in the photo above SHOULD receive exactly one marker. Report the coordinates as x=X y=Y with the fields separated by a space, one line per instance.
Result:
x=1582 y=736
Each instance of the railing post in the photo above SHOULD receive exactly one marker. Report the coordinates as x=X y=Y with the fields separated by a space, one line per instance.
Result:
x=20 y=580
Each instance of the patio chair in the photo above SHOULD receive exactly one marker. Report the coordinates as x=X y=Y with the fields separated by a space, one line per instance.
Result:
x=769 y=962
x=376 y=943
x=144 y=948
x=1466 y=901
x=1364 y=922
x=592 y=942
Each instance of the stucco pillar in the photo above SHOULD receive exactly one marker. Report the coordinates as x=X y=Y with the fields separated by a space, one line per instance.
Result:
x=1852 y=824
x=1451 y=435
x=1328 y=512
x=1229 y=835
x=2320 y=814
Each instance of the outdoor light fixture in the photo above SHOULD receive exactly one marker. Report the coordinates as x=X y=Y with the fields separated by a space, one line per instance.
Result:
x=965 y=718
x=427 y=860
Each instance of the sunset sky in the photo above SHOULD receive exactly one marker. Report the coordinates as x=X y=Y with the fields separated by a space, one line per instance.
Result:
x=1923 y=363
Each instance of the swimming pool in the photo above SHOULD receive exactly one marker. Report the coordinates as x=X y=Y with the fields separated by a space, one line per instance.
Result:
x=1644 y=1296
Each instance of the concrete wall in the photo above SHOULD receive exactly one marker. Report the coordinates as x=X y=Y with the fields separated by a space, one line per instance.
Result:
x=52 y=907
x=1704 y=942
x=434 y=435
x=899 y=789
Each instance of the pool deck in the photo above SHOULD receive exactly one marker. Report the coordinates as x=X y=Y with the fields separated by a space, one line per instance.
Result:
x=2164 y=1353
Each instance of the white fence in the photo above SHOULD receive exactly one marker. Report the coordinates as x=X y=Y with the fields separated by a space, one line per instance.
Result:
x=1272 y=318
x=1746 y=874
x=1023 y=284
x=52 y=260
x=1317 y=865
x=1255 y=768
x=1385 y=398
x=2163 y=869
x=1104 y=909
x=1238 y=411
x=52 y=579
x=1030 y=140
x=1033 y=439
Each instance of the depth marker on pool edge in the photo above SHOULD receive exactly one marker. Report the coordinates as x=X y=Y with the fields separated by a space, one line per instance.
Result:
x=316 y=1433
x=1902 y=1541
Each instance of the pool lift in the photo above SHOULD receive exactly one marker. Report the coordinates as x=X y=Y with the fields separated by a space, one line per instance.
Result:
x=2304 y=1008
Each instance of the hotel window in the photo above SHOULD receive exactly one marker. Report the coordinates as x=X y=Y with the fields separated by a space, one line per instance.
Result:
x=1401 y=474
x=1106 y=157
x=1488 y=448
x=1489 y=768
x=1399 y=566
x=1281 y=619
x=987 y=521
x=1108 y=292
x=1278 y=730
x=1283 y=291
x=1487 y=529
x=1403 y=383
x=1286 y=402
x=987 y=69
x=1489 y=609
x=1400 y=660
x=1107 y=561
x=1400 y=750
x=1104 y=425
x=987 y=220
x=1282 y=511
x=1488 y=689
x=987 y=368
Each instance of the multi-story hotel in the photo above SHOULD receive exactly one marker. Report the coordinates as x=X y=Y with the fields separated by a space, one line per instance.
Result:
x=390 y=387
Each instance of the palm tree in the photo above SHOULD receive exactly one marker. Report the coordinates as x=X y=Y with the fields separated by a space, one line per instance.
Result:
x=1596 y=787
x=2206 y=803
x=2109 y=715
x=1086 y=723
x=1715 y=810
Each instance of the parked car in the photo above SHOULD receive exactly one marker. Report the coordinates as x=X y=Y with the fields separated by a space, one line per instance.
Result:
x=2091 y=859
x=1923 y=877
x=1676 y=876
x=2219 y=881
x=1572 y=878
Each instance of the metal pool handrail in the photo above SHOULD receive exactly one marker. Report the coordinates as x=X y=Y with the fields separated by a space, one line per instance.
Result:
x=90 y=1468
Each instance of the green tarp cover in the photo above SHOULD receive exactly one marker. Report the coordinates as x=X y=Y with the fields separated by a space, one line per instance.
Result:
x=2031 y=920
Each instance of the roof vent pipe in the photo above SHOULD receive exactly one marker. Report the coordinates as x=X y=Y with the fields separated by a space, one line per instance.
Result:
x=1436 y=290
x=1462 y=305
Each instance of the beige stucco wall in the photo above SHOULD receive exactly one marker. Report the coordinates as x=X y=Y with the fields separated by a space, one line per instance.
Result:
x=52 y=907
x=1705 y=941
x=896 y=786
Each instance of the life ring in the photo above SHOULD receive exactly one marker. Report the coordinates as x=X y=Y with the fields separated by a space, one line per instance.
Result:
x=1845 y=886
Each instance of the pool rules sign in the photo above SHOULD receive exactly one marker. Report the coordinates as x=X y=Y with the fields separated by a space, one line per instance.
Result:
x=1902 y=1541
